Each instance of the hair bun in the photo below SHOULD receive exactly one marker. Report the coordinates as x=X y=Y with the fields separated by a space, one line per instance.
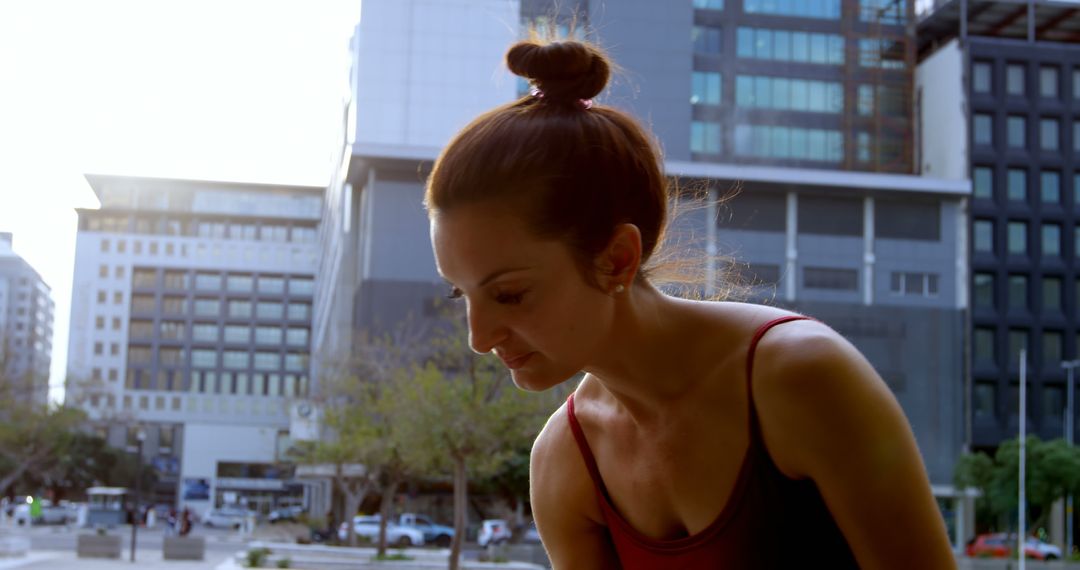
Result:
x=564 y=71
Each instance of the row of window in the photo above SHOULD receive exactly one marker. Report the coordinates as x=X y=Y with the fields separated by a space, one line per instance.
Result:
x=985 y=395
x=790 y=45
x=901 y=283
x=205 y=332
x=1016 y=238
x=233 y=282
x=1016 y=132
x=901 y=219
x=209 y=307
x=1018 y=292
x=782 y=93
x=892 y=12
x=985 y=352
x=247 y=231
x=1049 y=82
x=795 y=143
x=206 y=358
x=162 y=403
x=1016 y=185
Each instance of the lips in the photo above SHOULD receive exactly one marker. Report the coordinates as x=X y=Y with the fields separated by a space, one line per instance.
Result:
x=517 y=361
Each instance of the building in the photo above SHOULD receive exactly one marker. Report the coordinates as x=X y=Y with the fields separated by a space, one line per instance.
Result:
x=807 y=107
x=26 y=328
x=1015 y=73
x=190 y=323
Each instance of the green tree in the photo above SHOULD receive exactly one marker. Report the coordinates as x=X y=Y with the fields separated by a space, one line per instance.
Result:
x=33 y=439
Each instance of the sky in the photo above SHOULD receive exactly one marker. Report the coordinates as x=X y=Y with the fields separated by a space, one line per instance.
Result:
x=244 y=90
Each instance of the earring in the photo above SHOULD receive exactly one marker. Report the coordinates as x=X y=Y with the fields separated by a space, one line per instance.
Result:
x=620 y=288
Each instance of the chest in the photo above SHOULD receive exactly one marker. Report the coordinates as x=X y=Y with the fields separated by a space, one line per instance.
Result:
x=674 y=481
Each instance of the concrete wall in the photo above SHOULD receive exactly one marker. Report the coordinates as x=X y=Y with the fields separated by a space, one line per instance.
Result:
x=941 y=80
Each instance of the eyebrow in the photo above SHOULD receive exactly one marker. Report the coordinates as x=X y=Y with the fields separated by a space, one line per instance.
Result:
x=499 y=273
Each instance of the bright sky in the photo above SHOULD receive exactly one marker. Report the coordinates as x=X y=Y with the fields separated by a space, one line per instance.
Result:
x=247 y=90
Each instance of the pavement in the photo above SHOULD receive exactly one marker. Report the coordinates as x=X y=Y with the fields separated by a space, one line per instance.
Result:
x=144 y=559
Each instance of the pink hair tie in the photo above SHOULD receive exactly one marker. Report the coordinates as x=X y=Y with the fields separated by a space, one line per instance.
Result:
x=536 y=92
x=586 y=104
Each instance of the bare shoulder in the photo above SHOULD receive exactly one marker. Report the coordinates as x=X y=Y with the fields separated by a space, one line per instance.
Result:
x=826 y=415
x=564 y=500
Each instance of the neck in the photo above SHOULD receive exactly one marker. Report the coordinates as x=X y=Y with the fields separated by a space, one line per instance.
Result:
x=646 y=362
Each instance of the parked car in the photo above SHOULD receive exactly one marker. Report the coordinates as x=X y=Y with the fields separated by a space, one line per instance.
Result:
x=283 y=514
x=226 y=517
x=531 y=535
x=49 y=513
x=493 y=531
x=367 y=527
x=1000 y=545
x=437 y=534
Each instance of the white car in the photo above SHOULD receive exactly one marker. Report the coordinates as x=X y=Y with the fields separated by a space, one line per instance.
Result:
x=493 y=531
x=226 y=517
x=367 y=527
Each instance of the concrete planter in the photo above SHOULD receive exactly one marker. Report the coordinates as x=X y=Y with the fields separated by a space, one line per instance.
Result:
x=98 y=546
x=320 y=557
x=184 y=548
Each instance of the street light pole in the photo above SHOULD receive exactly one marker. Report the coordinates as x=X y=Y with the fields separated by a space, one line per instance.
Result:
x=1070 y=413
x=140 y=436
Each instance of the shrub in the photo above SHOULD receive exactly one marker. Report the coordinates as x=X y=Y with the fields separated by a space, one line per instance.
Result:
x=256 y=557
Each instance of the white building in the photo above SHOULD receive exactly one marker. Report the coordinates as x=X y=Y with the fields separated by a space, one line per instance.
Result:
x=190 y=321
x=26 y=327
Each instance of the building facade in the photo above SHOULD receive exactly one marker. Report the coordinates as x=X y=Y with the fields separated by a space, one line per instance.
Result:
x=1016 y=81
x=797 y=116
x=190 y=322
x=26 y=328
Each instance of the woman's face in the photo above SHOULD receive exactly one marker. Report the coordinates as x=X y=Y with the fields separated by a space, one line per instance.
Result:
x=526 y=298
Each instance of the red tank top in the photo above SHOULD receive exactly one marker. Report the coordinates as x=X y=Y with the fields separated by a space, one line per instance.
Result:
x=770 y=521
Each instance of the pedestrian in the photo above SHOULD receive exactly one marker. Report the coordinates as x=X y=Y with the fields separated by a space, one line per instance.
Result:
x=185 y=522
x=171 y=522
x=704 y=434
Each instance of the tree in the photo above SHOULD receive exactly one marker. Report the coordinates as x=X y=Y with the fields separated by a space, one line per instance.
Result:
x=1052 y=471
x=33 y=439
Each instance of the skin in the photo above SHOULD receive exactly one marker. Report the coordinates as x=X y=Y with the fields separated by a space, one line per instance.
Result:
x=660 y=372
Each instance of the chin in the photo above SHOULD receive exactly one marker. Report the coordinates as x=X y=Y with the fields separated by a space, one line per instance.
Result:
x=537 y=382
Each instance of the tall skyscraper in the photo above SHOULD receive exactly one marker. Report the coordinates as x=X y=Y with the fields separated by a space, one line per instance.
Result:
x=190 y=321
x=26 y=328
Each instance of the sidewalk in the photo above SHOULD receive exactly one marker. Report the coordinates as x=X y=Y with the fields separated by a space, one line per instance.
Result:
x=151 y=559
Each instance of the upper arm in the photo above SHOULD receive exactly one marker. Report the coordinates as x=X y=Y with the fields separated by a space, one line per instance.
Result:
x=562 y=494
x=826 y=412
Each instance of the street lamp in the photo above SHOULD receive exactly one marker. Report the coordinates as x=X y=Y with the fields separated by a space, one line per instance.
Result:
x=140 y=437
x=1070 y=413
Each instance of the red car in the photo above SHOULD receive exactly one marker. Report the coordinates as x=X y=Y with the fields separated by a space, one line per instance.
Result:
x=1000 y=545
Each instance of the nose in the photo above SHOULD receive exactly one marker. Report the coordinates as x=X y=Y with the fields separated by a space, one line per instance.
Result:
x=485 y=333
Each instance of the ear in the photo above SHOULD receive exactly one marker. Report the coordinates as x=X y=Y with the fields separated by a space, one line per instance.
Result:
x=619 y=262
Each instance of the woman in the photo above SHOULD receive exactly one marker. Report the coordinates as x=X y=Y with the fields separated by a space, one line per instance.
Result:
x=704 y=434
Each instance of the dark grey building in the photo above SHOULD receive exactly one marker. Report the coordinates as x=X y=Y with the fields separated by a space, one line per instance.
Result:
x=26 y=328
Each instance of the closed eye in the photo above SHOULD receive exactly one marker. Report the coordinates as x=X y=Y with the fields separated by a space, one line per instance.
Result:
x=510 y=298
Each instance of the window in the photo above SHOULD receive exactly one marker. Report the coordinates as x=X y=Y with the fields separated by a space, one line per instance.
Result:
x=267 y=361
x=119 y=272
x=820 y=9
x=171 y=357
x=174 y=305
x=1048 y=81
x=1018 y=292
x=114 y=349
x=299 y=311
x=983 y=231
x=787 y=94
x=104 y=246
x=143 y=303
x=204 y=332
x=830 y=278
x=99 y=323
x=265 y=310
x=1076 y=136
x=789 y=143
x=905 y=219
x=709 y=4
x=981 y=74
x=297 y=337
x=235 y=359
x=914 y=284
x=825 y=215
x=98 y=348
x=116 y=323
x=1016 y=185
x=141 y=330
x=1050 y=187
x=268 y=335
x=118 y=297
x=1051 y=240
x=153 y=248
x=1018 y=339
x=239 y=309
x=706 y=40
x=1051 y=348
x=176 y=280
x=1014 y=79
x=237 y=334
x=173 y=330
x=983 y=290
x=269 y=284
x=103 y=271
x=983 y=129
x=1048 y=134
x=1017 y=238
x=1051 y=294
x=207 y=307
x=705 y=88
x=1016 y=135
x=139 y=355
x=296 y=362
x=121 y=246
x=984 y=401
x=101 y=297
x=787 y=45
x=705 y=137
x=240 y=283
x=207 y=281
x=1076 y=84
x=983 y=346
x=983 y=182
x=1053 y=398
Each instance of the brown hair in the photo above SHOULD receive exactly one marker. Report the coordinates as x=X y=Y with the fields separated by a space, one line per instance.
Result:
x=572 y=169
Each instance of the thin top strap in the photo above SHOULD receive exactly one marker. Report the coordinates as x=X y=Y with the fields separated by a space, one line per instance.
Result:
x=583 y=445
x=755 y=427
